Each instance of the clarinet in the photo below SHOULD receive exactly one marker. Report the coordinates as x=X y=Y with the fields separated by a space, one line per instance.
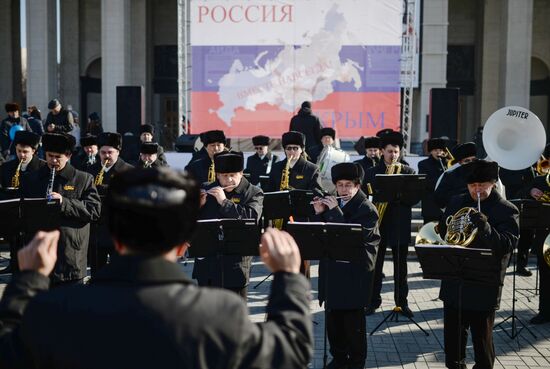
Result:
x=49 y=189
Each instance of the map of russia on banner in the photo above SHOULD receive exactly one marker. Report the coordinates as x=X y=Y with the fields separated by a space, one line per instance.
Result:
x=255 y=62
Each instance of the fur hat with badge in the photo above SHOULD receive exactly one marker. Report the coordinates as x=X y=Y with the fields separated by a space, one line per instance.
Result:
x=112 y=139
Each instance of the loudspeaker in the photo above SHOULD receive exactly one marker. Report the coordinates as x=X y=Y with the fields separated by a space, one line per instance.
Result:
x=187 y=143
x=130 y=109
x=444 y=112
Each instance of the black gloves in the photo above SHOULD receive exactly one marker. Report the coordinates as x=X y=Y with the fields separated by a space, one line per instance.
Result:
x=480 y=221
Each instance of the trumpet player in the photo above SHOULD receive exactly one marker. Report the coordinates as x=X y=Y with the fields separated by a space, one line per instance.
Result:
x=203 y=168
x=348 y=289
x=12 y=174
x=103 y=171
x=497 y=223
x=89 y=154
x=395 y=226
x=148 y=157
x=229 y=196
x=79 y=200
x=433 y=167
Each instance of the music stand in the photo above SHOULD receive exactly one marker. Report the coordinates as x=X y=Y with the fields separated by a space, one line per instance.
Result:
x=326 y=242
x=396 y=189
x=264 y=181
x=460 y=264
x=10 y=224
x=531 y=217
x=220 y=237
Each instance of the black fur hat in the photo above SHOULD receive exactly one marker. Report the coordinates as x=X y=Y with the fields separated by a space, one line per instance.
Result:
x=26 y=138
x=88 y=140
x=229 y=162
x=481 y=171
x=391 y=138
x=294 y=138
x=349 y=171
x=436 y=143
x=213 y=136
x=260 y=140
x=327 y=131
x=149 y=148
x=464 y=150
x=146 y=128
x=110 y=139
x=60 y=143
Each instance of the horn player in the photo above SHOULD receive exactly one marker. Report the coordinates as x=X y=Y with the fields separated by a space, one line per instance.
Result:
x=497 y=222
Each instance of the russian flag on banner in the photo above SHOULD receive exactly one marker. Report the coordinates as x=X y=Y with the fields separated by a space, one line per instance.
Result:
x=255 y=61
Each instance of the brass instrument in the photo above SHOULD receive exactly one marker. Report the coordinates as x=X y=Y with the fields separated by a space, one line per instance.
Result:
x=543 y=166
x=460 y=230
x=393 y=168
x=147 y=164
x=91 y=159
x=49 y=189
x=15 y=182
x=99 y=178
x=546 y=194
x=450 y=158
x=284 y=185
x=211 y=173
x=429 y=235
x=546 y=250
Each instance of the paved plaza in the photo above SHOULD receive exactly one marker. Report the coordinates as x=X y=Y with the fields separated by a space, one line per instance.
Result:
x=401 y=344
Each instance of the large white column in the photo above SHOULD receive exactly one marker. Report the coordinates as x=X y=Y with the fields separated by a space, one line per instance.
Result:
x=70 y=54
x=115 y=56
x=41 y=52
x=434 y=60
x=10 y=52
x=515 y=55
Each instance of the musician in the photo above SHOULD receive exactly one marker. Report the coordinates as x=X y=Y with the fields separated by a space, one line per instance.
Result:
x=80 y=205
x=395 y=227
x=109 y=165
x=348 y=288
x=540 y=191
x=143 y=303
x=303 y=175
x=498 y=230
x=329 y=156
x=230 y=196
x=148 y=156
x=146 y=134
x=372 y=154
x=433 y=167
x=262 y=161
x=13 y=172
x=89 y=154
x=453 y=182
x=203 y=168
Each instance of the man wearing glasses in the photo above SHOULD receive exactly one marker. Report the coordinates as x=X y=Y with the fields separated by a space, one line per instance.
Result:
x=261 y=163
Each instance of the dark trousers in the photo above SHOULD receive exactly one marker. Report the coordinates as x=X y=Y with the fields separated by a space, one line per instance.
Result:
x=544 y=275
x=100 y=257
x=347 y=336
x=399 y=275
x=524 y=246
x=55 y=284
x=241 y=291
x=480 y=324
x=15 y=246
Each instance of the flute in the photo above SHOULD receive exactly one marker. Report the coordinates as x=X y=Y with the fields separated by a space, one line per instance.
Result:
x=337 y=198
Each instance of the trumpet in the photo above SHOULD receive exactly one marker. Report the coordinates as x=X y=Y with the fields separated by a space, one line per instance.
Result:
x=49 y=189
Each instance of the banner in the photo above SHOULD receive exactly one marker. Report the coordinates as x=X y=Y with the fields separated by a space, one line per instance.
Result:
x=255 y=61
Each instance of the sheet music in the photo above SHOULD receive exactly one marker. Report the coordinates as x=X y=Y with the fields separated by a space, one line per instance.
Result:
x=328 y=223
x=276 y=192
x=9 y=200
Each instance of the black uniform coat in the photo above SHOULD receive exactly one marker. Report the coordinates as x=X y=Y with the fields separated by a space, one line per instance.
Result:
x=396 y=220
x=501 y=237
x=303 y=176
x=80 y=206
x=350 y=284
x=433 y=169
x=103 y=236
x=452 y=183
x=257 y=167
x=514 y=181
x=244 y=202
x=7 y=169
x=199 y=169
x=156 y=164
x=146 y=313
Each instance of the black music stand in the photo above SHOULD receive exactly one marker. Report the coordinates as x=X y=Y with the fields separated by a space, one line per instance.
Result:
x=531 y=217
x=459 y=264
x=220 y=237
x=264 y=181
x=11 y=216
x=396 y=189
x=326 y=242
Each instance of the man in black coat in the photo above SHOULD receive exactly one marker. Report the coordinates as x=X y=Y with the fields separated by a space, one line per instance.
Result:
x=261 y=162
x=498 y=230
x=395 y=228
x=109 y=165
x=80 y=205
x=203 y=168
x=27 y=161
x=310 y=125
x=349 y=283
x=142 y=311
x=372 y=153
x=230 y=196
x=303 y=175
x=89 y=154
x=433 y=167
x=539 y=190
x=59 y=119
x=148 y=156
x=6 y=125
x=147 y=134
x=452 y=182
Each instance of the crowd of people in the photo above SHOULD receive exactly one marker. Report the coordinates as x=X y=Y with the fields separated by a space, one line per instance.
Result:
x=130 y=221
